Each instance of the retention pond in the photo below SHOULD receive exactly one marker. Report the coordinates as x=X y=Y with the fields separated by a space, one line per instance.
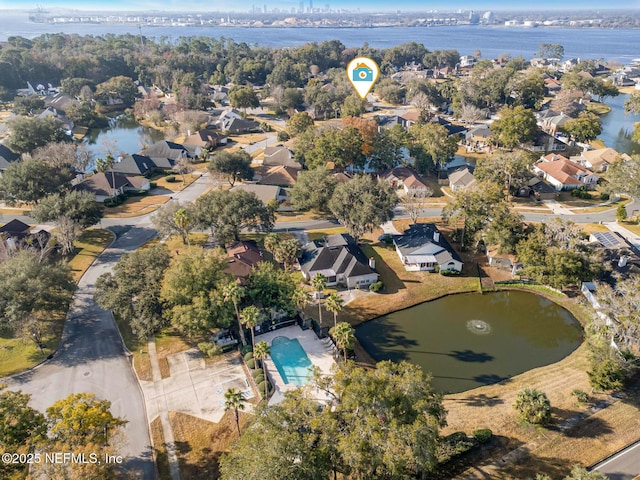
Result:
x=470 y=340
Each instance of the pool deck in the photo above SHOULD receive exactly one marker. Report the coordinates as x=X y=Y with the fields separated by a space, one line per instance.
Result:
x=320 y=352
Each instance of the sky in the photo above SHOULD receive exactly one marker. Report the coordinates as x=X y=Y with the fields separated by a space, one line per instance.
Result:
x=364 y=5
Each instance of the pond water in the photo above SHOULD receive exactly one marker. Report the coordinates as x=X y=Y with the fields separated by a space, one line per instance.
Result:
x=124 y=135
x=470 y=340
x=617 y=126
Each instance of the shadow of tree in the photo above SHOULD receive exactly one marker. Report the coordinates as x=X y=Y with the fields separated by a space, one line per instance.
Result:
x=481 y=400
x=471 y=356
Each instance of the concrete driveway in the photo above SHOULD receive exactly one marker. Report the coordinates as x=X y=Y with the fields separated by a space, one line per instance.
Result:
x=195 y=388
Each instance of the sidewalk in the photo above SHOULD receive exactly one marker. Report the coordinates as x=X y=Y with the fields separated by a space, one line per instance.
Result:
x=556 y=208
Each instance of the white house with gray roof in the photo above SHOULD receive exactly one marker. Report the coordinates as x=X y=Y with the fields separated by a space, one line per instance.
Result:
x=422 y=248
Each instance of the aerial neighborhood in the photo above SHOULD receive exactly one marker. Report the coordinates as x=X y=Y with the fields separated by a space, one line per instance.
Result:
x=219 y=260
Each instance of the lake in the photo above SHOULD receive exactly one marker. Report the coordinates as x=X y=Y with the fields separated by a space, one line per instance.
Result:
x=470 y=340
x=617 y=126
x=124 y=135
x=619 y=44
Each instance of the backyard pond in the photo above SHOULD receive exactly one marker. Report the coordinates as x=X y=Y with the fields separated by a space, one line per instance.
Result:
x=123 y=135
x=470 y=340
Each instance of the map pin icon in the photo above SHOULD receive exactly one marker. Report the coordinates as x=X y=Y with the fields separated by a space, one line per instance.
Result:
x=363 y=73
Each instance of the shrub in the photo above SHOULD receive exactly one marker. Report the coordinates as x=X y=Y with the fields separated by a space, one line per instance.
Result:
x=258 y=378
x=449 y=273
x=261 y=387
x=483 y=435
x=137 y=193
x=246 y=349
x=170 y=178
x=257 y=373
x=153 y=184
x=621 y=213
x=251 y=363
x=376 y=287
x=604 y=196
x=248 y=356
x=283 y=136
x=607 y=374
x=453 y=445
x=582 y=397
x=581 y=192
x=209 y=349
x=115 y=201
x=533 y=406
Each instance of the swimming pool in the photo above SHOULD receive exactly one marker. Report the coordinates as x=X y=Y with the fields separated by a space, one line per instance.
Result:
x=291 y=360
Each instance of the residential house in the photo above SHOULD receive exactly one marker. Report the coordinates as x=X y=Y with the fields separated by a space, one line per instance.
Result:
x=266 y=193
x=406 y=179
x=17 y=233
x=134 y=165
x=546 y=143
x=539 y=189
x=204 y=140
x=243 y=256
x=61 y=102
x=339 y=259
x=169 y=152
x=408 y=119
x=461 y=179
x=230 y=120
x=551 y=123
x=564 y=174
x=422 y=248
x=274 y=156
x=7 y=156
x=598 y=160
x=478 y=137
x=108 y=185
x=276 y=175
x=552 y=85
x=51 y=112
x=617 y=251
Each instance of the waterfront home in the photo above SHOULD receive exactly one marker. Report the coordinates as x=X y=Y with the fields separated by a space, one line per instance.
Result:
x=166 y=150
x=204 y=140
x=422 y=248
x=339 y=259
x=242 y=256
x=461 y=179
x=564 y=174
x=598 y=160
x=503 y=261
x=111 y=184
x=136 y=164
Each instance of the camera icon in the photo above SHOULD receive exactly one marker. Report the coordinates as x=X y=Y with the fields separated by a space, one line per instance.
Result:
x=362 y=73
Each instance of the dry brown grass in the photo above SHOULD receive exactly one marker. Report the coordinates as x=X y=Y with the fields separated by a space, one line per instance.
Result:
x=633 y=227
x=160 y=450
x=168 y=343
x=178 y=185
x=201 y=443
x=91 y=243
x=248 y=138
x=136 y=206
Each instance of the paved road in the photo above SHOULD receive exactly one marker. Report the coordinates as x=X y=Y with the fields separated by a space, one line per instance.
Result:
x=91 y=357
x=622 y=466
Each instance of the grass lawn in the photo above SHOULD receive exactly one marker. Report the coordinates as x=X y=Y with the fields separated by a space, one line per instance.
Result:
x=604 y=208
x=318 y=234
x=17 y=353
x=137 y=347
x=157 y=439
x=178 y=185
x=91 y=243
x=631 y=226
x=201 y=443
x=598 y=108
x=136 y=206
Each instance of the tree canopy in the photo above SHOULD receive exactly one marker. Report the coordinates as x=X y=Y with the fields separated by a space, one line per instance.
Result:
x=71 y=212
x=132 y=290
x=382 y=423
x=313 y=189
x=233 y=166
x=363 y=204
x=516 y=126
x=227 y=213
x=31 y=180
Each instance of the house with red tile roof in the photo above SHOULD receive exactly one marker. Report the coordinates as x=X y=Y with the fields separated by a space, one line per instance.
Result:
x=564 y=174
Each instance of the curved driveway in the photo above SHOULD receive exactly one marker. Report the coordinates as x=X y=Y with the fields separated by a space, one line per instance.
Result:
x=91 y=357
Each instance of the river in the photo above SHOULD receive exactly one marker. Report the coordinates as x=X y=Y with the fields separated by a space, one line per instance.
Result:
x=620 y=45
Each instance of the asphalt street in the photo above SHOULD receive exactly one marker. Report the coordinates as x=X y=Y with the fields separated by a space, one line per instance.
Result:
x=624 y=465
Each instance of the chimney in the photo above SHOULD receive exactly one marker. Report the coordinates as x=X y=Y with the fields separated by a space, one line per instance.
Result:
x=372 y=263
x=436 y=237
x=622 y=262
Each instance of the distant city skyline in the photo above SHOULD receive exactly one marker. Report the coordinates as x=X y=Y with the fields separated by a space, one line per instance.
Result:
x=364 y=6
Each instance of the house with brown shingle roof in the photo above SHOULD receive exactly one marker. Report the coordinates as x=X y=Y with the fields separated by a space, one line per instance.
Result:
x=242 y=257
x=598 y=160
x=564 y=174
x=405 y=178
x=109 y=184
x=277 y=175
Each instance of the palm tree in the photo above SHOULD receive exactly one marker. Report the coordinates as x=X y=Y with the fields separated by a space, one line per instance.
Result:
x=319 y=283
x=300 y=298
x=344 y=335
x=334 y=304
x=233 y=400
x=232 y=292
x=183 y=220
x=250 y=318
x=261 y=352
